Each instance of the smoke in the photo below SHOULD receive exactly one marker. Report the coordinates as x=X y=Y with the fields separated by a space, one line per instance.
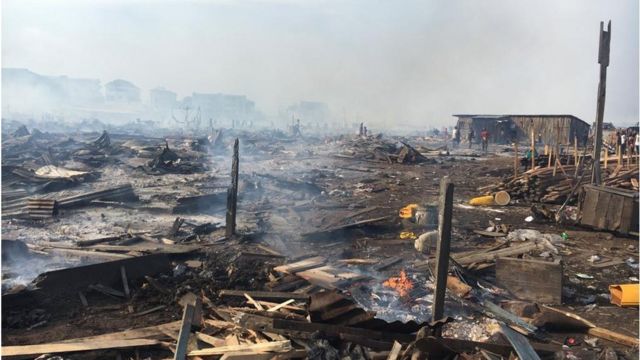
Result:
x=391 y=64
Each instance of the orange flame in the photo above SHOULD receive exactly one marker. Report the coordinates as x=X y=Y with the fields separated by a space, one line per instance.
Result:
x=402 y=284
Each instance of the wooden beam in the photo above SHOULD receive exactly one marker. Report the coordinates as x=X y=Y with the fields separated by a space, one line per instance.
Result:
x=268 y=295
x=185 y=331
x=443 y=246
x=232 y=194
x=603 y=60
x=55 y=348
x=273 y=346
x=281 y=305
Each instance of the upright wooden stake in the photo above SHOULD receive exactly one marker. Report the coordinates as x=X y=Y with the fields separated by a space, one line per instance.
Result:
x=619 y=152
x=442 y=249
x=232 y=193
x=557 y=151
x=533 y=149
x=575 y=150
x=606 y=158
x=603 y=60
x=516 y=164
x=550 y=157
x=546 y=149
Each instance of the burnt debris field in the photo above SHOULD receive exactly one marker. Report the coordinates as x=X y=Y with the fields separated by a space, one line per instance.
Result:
x=121 y=244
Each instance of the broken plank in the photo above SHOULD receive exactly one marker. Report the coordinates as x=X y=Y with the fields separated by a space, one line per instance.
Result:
x=387 y=263
x=157 y=332
x=211 y=340
x=55 y=348
x=344 y=227
x=281 y=305
x=273 y=346
x=395 y=351
x=267 y=295
x=301 y=265
x=253 y=302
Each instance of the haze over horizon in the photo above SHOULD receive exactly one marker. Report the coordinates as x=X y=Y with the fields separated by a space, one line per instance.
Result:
x=392 y=63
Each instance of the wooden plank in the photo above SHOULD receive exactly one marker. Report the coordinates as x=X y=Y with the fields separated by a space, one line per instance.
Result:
x=388 y=263
x=267 y=295
x=156 y=332
x=395 y=351
x=253 y=302
x=601 y=210
x=627 y=215
x=273 y=346
x=588 y=207
x=614 y=213
x=185 y=331
x=533 y=280
x=211 y=340
x=324 y=299
x=55 y=348
x=281 y=305
x=301 y=265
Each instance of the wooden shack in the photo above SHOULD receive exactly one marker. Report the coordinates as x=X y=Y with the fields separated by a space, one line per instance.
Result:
x=504 y=129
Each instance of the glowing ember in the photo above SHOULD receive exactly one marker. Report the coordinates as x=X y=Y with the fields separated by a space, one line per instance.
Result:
x=402 y=284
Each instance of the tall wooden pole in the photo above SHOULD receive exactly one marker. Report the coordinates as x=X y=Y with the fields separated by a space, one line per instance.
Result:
x=516 y=164
x=603 y=60
x=575 y=150
x=442 y=249
x=232 y=193
x=606 y=159
x=533 y=149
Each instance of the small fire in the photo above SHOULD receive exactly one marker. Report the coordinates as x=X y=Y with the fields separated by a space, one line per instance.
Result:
x=402 y=284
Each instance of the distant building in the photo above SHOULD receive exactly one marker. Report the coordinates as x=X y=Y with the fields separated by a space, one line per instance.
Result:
x=162 y=99
x=24 y=90
x=222 y=107
x=504 y=129
x=310 y=112
x=121 y=91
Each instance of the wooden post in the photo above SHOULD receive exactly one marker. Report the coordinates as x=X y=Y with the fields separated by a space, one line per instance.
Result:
x=557 y=151
x=185 y=331
x=516 y=164
x=550 y=157
x=442 y=249
x=606 y=158
x=603 y=60
x=232 y=194
x=533 y=149
x=546 y=149
x=575 y=150
x=619 y=152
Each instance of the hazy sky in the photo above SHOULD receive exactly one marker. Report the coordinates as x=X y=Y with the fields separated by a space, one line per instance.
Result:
x=395 y=62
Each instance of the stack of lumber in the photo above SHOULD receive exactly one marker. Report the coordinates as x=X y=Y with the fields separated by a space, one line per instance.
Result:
x=540 y=184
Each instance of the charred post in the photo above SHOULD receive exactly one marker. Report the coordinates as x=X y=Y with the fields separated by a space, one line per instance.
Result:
x=442 y=250
x=232 y=193
x=603 y=60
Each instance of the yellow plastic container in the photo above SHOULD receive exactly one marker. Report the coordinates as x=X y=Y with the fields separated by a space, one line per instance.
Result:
x=408 y=211
x=625 y=294
x=482 y=200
